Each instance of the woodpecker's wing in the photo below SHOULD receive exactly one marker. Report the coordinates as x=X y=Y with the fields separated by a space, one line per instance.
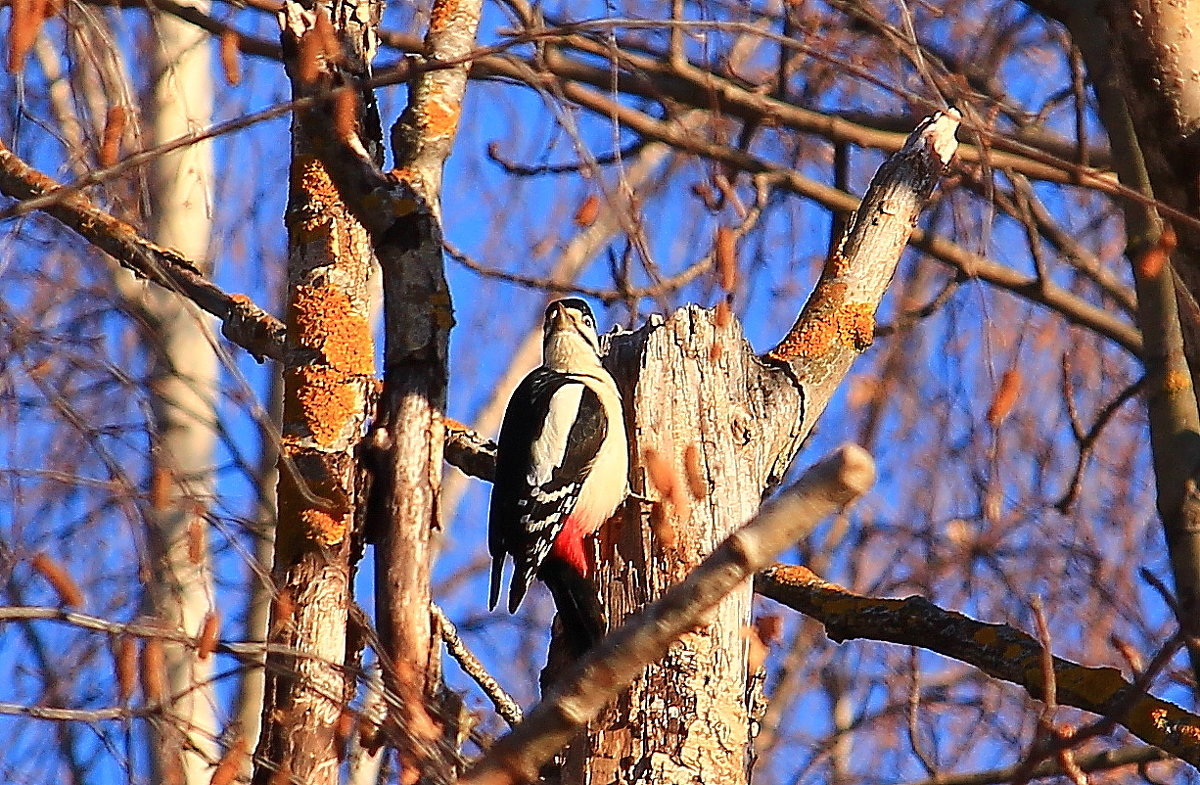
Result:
x=552 y=430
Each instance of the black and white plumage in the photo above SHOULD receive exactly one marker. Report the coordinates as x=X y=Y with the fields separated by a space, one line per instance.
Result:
x=562 y=469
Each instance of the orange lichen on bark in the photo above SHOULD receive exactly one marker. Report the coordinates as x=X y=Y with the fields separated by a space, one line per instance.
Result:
x=325 y=319
x=856 y=325
x=1176 y=382
x=446 y=15
x=451 y=424
x=799 y=575
x=326 y=401
x=319 y=193
x=439 y=117
x=320 y=511
x=837 y=265
x=831 y=323
x=808 y=338
x=324 y=528
x=1177 y=729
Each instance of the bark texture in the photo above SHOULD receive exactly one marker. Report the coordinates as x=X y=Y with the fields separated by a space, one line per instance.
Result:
x=702 y=403
x=328 y=379
x=417 y=321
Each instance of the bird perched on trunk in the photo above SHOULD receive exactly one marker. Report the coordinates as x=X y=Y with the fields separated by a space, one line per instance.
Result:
x=562 y=469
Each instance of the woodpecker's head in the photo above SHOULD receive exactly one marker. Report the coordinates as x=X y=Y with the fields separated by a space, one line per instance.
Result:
x=569 y=336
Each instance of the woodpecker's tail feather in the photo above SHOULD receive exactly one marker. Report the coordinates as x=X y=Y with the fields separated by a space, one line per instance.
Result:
x=578 y=607
x=497 y=574
x=517 y=586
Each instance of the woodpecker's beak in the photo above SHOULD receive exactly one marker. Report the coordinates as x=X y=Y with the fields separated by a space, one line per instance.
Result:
x=559 y=317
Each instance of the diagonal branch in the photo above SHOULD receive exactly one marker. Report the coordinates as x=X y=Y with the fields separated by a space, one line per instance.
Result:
x=243 y=322
x=837 y=323
x=469 y=452
x=998 y=650
x=593 y=681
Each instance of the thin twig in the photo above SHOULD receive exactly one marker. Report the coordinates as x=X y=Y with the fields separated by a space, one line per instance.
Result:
x=506 y=707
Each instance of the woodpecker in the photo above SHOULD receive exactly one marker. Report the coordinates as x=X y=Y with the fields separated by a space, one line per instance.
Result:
x=562 y=469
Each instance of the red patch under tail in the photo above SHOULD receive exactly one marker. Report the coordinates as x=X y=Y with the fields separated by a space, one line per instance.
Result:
x=568 y=546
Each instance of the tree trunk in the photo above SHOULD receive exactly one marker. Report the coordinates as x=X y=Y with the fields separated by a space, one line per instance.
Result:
x=417 y=319
x=1140 y=57
x=700 y=400
x=713 y=428
x=251 y=690
x=329 y=376
x=184 y=380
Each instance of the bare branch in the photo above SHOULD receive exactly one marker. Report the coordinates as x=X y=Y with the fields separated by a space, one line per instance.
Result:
x=506 y=707
x=972 y=265
x=594 y=680
x=469 y=452
x=999 y=650
x=1098 y=761
x=838 y=321
x=243 y=322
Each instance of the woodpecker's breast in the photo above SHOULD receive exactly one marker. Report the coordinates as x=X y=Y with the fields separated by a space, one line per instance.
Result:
x=607 y=483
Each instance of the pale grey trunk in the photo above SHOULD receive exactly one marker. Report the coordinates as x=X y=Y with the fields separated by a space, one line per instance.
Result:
x=252 y=689
x=184 y=381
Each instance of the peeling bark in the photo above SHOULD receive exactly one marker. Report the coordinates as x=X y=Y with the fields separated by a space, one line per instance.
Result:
x=329 y=377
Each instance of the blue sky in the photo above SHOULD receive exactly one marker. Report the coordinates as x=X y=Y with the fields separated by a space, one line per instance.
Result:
x=519 y=225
